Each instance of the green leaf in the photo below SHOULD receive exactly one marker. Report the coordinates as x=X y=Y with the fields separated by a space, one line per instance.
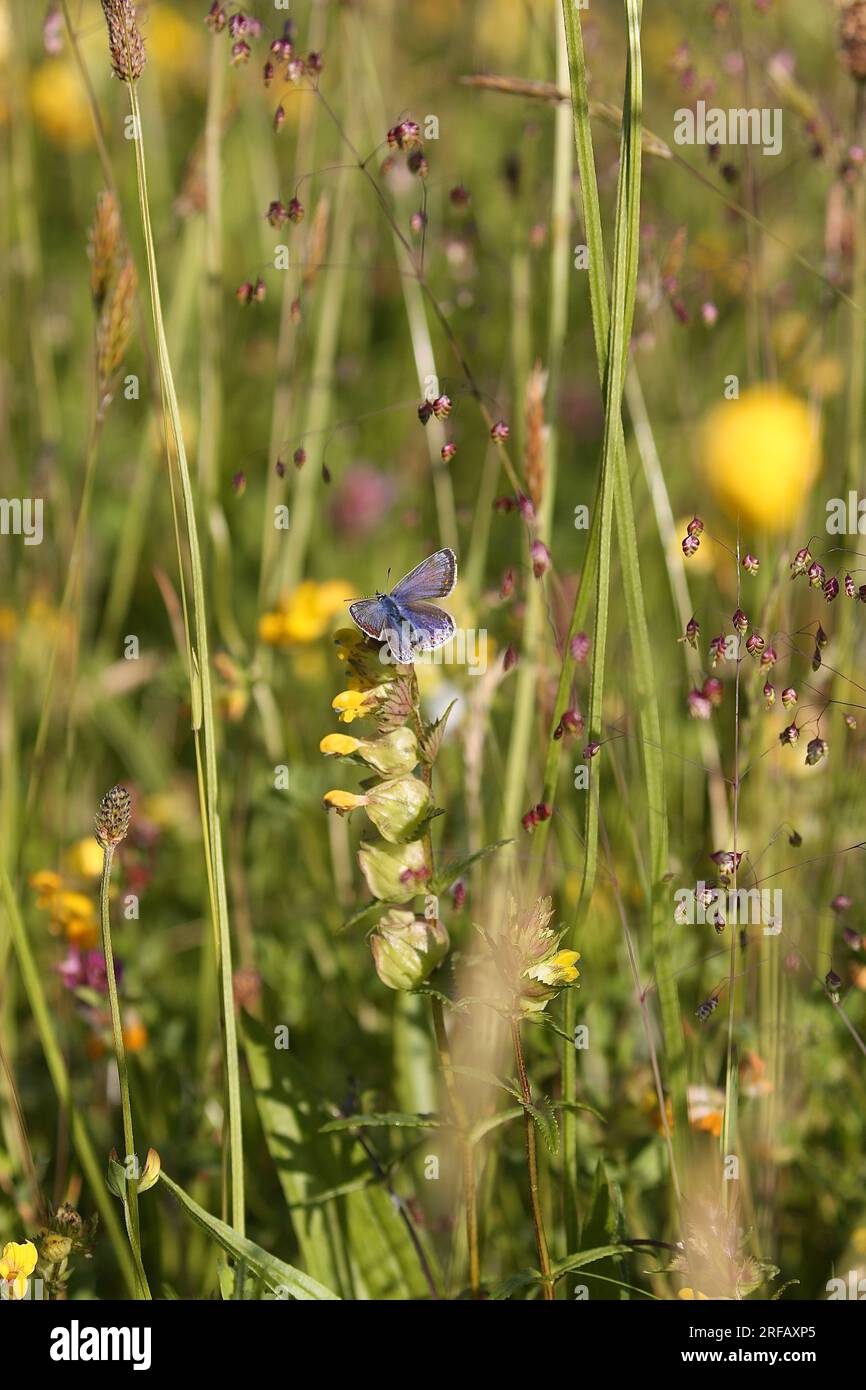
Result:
x=602 y=1222
x=544 y=1116
x=449 y=873
x=350 y=1235
x=360 y=915
x=588 y=1257
x=514 y=1283
x=484 y=1127
x=525 y=1277
x=431 y=739
x=279 y=1277
x=392 y=1118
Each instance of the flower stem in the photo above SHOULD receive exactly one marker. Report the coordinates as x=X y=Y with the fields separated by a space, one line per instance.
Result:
x=123 y=1075
x=469 y=1195
x=532 y=1166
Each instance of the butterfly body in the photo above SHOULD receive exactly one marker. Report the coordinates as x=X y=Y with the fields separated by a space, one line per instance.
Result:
x=404 y=618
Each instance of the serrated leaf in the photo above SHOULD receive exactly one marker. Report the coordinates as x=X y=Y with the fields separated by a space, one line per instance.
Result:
x=544 y=1116
x=392 y=1118
x=521 y=1280
x=449 y=873
x=357 y=917
x=431 y=739
x=525 y=1277
x=396 y=706
x=588 y=1257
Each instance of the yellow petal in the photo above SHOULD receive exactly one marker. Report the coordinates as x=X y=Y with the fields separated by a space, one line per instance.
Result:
x=338 y=745
x=344 y=801
x=85 y=858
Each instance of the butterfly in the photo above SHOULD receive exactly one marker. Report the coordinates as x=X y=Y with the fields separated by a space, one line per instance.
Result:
x=404 y=618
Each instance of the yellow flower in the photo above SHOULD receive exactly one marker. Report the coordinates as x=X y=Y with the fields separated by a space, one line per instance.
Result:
x=362 y=656
x=306 y=614
x=706 y=1109
x=47 y=885
x=343 y=802
x=172 y=42
x=134 y=1034
x=68 y=904
x=71 y=912
x=85 y=858
x=650 y=1106
x=559 y=970
x=8 y=624
x=17 y=1264
x=692 y=1295
x=81 y=932
x=339 y=745
x=351 y=704
x=347 y=641
x=59 y=104
x=760 y=455
x=271 y=627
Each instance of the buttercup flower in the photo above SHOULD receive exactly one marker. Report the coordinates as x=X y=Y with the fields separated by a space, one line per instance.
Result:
x=72 y=913
x=16 y=1265
x=306 y=614
x=760 y=455
x=59 y=104
x=85 y=858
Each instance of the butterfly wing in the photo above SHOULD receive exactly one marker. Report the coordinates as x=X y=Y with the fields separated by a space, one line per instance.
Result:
x=423 y=628
x=369 y=614
x=435 y=577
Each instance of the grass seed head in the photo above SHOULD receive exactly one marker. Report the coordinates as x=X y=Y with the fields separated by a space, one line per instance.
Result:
x=125 y=42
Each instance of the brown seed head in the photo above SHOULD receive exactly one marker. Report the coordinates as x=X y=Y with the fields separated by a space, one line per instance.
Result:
x=852 y=37
x=103 y=246
x=125 y=42
x=112 y=819
x=113 y=330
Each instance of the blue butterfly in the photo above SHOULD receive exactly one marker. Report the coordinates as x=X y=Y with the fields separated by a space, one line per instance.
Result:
x=404 y=619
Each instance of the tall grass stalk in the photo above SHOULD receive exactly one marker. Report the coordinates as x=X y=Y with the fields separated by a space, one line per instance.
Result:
x=557 y=320
x=122 y=1071
x=201 y=690
x=612 y=328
